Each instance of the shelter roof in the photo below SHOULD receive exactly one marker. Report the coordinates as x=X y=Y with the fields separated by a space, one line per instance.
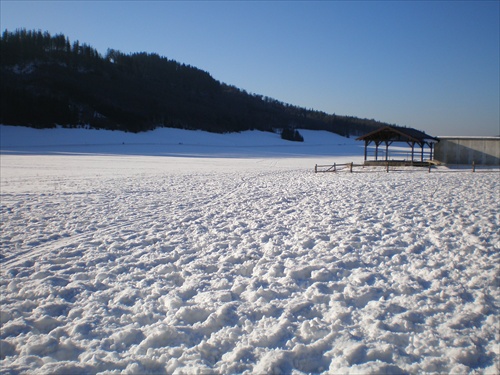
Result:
x=398 y=134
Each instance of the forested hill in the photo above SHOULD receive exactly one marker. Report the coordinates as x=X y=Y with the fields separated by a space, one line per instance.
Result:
x=47 y=81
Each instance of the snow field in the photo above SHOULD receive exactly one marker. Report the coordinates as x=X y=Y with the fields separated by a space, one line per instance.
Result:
x=117 y=264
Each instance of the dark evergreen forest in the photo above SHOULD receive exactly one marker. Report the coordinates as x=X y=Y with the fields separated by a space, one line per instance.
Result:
x=47 y=81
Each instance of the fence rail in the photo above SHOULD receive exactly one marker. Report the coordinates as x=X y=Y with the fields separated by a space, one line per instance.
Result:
x=335 y=167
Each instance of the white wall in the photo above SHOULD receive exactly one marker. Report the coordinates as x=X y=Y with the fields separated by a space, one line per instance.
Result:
x=465 y=150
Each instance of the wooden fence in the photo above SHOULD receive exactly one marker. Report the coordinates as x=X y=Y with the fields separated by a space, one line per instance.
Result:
x=337 y=167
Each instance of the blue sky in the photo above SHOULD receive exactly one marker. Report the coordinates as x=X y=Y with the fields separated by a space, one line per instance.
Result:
x=432 y=65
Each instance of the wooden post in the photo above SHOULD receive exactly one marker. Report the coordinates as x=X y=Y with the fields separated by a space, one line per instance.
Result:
x=351 y=166
x=473 y=166
x=316 y=168
x=430 y=167
x=387 y=167
x=335 y=167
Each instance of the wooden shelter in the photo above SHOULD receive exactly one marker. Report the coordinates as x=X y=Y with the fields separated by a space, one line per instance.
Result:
x=388 y=135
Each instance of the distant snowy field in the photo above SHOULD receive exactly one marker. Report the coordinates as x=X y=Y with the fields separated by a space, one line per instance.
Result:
x=186 y=252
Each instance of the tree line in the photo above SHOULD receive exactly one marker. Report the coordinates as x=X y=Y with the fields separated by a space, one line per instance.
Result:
x=47 y=80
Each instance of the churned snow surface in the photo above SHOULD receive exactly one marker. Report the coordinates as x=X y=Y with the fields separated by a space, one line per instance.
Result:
x=189 y=253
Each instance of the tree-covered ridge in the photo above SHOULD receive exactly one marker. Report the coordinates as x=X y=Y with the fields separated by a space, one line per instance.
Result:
x=47 y=80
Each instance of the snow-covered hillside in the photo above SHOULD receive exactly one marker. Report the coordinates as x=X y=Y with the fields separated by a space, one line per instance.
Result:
x=241 y=260
x=175 y=142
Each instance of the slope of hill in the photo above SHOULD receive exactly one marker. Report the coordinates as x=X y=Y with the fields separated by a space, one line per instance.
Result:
x=17 y=140
x=47 y=80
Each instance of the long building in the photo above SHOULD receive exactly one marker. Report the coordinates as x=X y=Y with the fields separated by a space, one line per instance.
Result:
x=466 y=150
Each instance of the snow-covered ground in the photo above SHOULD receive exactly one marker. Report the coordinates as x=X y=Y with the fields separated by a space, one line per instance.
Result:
x=186 y=252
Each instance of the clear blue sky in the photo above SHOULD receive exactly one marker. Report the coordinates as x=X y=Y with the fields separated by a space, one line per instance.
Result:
x=432 y=65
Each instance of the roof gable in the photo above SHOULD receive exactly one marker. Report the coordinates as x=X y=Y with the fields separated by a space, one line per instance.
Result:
x=397 y=134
